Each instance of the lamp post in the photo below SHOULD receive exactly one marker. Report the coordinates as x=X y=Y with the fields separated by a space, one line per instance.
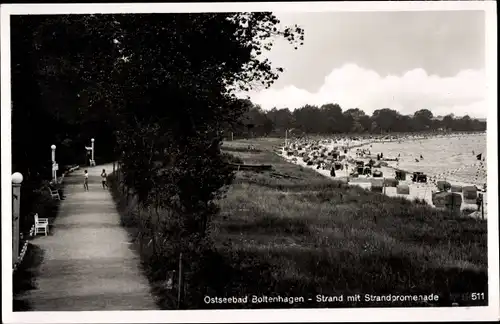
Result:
x=54 y=174
x=92 y=162
x=286 y=135
x=17 y=178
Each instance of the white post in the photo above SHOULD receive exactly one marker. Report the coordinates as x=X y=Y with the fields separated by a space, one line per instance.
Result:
x=17 y=178
x=92 y=140
x=232 y=136
x=54 y=174
x=53 y=148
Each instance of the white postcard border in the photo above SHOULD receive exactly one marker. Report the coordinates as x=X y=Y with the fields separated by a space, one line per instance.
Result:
x=251 y=316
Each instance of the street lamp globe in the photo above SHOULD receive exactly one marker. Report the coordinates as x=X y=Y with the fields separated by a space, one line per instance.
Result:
x=53 y=147
x=17 y=178
x=92 y=140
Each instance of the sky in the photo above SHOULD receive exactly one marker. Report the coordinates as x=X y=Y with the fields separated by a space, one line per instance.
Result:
x=371 y=60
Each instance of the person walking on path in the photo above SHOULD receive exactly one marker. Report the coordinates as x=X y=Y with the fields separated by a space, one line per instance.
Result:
x=104 y=177
x=86 y=181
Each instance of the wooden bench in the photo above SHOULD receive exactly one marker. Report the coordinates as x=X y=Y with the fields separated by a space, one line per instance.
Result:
x=41 y=225
x=54 y=193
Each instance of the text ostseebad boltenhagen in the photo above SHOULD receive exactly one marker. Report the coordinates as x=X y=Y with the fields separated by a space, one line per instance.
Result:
x=320 y=299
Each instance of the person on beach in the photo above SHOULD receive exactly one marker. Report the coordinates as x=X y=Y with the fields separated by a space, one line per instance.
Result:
x=86 y=181
x=104 y=177
x=479 y=202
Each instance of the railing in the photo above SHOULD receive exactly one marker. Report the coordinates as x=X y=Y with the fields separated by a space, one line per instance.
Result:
x=20 y=258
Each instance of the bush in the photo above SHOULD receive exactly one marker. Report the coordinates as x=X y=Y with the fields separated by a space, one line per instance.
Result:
x=36 y=199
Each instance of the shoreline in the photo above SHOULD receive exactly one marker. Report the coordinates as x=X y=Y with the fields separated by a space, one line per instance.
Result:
x=417 y=190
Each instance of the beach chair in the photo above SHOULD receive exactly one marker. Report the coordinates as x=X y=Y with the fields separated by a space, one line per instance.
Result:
x=400 y=175
x=54 y=194
x=41 y=225
x=422 y=178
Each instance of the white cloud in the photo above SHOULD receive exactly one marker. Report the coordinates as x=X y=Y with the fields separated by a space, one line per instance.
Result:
x=354 y=87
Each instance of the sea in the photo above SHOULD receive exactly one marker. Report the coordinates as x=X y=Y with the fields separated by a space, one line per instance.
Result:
x=451 y=158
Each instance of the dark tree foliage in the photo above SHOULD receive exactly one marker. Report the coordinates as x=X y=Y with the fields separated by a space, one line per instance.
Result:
x=156 y=91
x=179 y=73
x=81 y=76
x=59 y=68
x=329 y=119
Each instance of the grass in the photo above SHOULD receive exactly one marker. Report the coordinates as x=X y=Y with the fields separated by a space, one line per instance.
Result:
x=317 y=236
x=24 y=278
x=292 y=232
x=133 y=219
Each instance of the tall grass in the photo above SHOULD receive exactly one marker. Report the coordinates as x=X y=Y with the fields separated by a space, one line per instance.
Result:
x=292 y=232
x=322 y=237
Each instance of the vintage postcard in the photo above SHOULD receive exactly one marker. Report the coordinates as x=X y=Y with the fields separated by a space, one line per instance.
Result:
x=249 y=162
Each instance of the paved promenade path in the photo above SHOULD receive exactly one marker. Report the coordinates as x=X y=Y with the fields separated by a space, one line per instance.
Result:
x=88 y=264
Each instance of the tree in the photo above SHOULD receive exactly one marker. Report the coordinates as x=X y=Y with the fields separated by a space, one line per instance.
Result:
x=309 y=119
x=181 y=85
x=425 y=114
x=423 y=119
x=448 y=121
x=54 y=62
x=333 y=119
x=356 y=120
x=386 y=119
x=355 y=113
x=329 y=119
x=282 y=119
x=158 y=87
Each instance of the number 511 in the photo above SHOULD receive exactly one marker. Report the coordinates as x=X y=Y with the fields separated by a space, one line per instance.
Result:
x=477 y=296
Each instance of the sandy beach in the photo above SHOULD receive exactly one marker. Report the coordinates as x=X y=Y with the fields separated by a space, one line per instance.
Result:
x=455 y=168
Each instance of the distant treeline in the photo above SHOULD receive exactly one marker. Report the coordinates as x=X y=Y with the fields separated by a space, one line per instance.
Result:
x=330 y=119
